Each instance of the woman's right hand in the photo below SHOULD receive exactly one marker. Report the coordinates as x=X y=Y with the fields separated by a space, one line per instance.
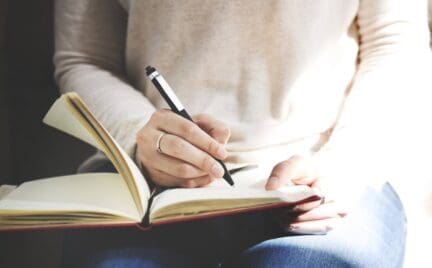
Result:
x=186 y=151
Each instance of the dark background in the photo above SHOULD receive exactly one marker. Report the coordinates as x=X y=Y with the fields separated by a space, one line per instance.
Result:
x=29 y=149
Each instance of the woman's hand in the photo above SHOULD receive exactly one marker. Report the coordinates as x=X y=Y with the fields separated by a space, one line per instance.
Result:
x=309 y=218
x=186 y=151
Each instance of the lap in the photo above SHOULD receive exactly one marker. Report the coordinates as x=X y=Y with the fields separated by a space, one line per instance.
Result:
x=202 y=243
x=373 y=235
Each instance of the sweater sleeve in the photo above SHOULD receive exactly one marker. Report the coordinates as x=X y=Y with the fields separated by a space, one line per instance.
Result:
x=90 y=37
x=393 y=52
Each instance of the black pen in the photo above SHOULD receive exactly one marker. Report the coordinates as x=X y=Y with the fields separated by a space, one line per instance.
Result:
x=174 y=103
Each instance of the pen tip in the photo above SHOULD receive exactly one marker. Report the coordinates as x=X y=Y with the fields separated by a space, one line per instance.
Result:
x=229 y=179
x=149 y=70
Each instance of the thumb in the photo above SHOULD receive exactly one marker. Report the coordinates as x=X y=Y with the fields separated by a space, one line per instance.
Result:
x=296 y=170
x=280 y=175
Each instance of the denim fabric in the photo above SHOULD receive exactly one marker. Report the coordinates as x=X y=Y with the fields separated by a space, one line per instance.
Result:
x=373 y=235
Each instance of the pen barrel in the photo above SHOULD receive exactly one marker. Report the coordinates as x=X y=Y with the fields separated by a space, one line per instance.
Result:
x=185 y=114
x=174 y=103
x=226 y=175
x=164 y=95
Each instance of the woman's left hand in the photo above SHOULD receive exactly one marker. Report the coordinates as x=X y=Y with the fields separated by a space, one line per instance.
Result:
x=309 y=218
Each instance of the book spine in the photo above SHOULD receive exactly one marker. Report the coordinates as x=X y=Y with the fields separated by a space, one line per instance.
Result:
x=145 y=222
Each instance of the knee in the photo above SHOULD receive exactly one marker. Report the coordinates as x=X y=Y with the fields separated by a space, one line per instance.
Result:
x=312 y=251
x=372 y=236
x=279 y=255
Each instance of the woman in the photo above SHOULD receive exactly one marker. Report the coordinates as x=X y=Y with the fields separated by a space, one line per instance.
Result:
x=296 y=86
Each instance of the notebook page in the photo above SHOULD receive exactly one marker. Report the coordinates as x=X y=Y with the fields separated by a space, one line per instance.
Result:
x=97 y=193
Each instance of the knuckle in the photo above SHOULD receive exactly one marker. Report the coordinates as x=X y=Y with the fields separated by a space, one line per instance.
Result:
x=221 y=134
x=158 y=115
x=212 y=147
x=199 y=117
x=280 y=170
x=183 y=170
x=188 y=184
x=280 y=167
x=276 y=174
x=155 y=116
x=141 y=136
x=226 y=131
x=176 y=145
x=207 y=163
x=188 y=129
x=205 y=181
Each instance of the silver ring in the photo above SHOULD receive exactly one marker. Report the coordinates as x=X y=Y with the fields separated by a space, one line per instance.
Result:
x=158 y=141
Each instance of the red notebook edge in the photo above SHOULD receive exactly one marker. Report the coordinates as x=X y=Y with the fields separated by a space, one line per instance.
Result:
x=234 y=211
x=147 y=227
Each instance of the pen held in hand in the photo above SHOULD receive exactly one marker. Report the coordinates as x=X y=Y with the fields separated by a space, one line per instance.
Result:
x=176 y=106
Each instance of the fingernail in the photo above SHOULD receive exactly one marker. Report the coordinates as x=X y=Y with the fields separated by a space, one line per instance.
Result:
x=342 y=214
x=302 y=231
x=272 y=183
x=221 y=152
x=289 y=183
x=299 y=180
x=329 y=228
x=217 y=170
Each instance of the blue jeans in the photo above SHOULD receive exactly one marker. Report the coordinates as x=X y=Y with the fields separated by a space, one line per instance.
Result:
x=373 y=235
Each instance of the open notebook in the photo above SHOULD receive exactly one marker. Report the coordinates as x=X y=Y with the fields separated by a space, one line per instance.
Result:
x=123 y=198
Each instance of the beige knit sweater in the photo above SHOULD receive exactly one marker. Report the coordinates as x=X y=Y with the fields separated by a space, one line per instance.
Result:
x=282 y=74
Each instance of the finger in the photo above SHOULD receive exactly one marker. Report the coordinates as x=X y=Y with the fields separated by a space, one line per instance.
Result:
x=296 y=169
x=197 y=182
x=279 y=175
x=172 y=123
x=307 y=172
x=291 y=214
x=307 y=180
x=327 y=187
x=215 y=128
x=313 y=227
x=163 y=179
x=156 y=160
x=178 y=148
x=325 y=211
x=174 y=167
x=307 y=206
